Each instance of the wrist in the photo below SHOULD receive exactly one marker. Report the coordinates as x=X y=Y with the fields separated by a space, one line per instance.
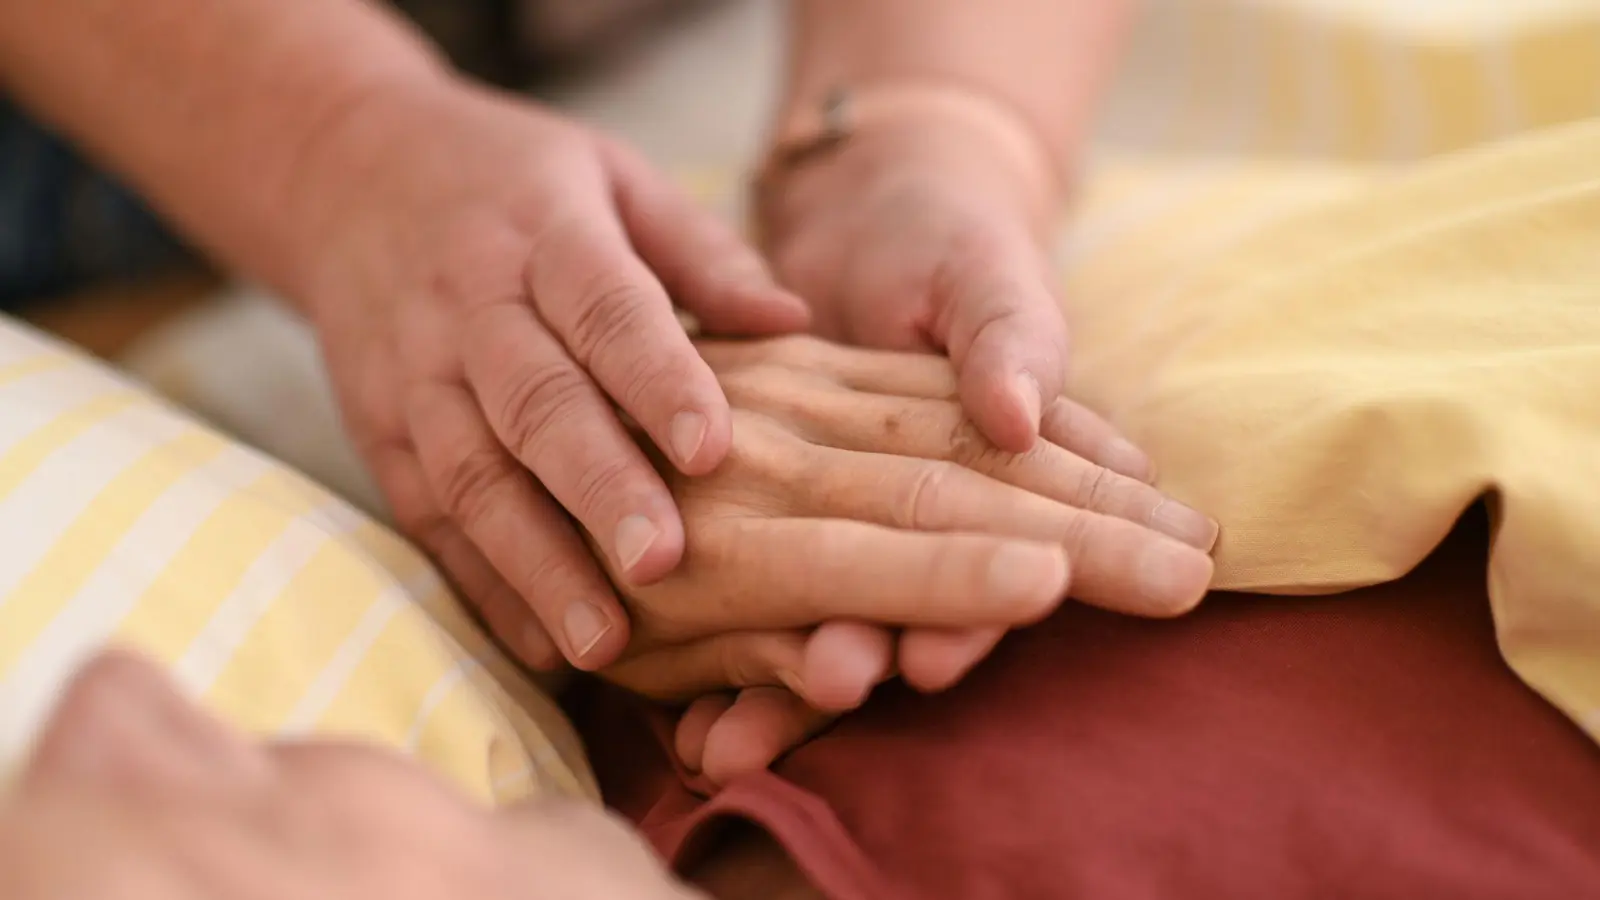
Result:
x=892 y=132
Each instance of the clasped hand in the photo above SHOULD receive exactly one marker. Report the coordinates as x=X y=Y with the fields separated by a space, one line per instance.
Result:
x=492 y=283
x=857 y=496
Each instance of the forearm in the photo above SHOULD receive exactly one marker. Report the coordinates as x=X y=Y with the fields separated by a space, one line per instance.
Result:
x=1048 y=59
x=207 y=108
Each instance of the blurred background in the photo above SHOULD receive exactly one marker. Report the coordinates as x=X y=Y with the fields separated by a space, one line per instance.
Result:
x=689 y=82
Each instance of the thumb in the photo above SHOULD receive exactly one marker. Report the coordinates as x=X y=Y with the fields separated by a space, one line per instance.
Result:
x=703 y=264
x=1007 y=337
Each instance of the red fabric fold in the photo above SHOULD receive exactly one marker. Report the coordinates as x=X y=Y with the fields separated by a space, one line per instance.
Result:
x=1371 y=744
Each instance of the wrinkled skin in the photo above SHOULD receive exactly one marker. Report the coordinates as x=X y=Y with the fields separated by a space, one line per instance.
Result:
x=857 y=495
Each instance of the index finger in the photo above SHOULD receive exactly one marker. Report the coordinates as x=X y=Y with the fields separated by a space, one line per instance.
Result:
x=548 y=414
x=616 y=321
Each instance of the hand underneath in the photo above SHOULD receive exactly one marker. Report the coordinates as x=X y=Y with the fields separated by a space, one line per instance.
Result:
x=494 y=278
x=857 y=495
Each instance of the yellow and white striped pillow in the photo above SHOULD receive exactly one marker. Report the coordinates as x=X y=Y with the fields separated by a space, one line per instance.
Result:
x=285 y=610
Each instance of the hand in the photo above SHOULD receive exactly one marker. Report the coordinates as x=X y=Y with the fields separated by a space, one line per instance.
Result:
x=856 y=495
x=493 y=278
x=919 y=232
x=133 y=793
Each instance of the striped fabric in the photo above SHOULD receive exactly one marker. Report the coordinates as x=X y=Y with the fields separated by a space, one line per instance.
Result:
x=124 y=521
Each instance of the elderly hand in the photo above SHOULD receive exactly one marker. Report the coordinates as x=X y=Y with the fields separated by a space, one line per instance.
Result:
x=923 y=231
x=495 y=278
x=133 y=793
x=857 y=494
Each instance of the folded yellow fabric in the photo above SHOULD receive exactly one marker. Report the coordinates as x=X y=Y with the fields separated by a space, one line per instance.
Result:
x=1337 y=364
x=285 y=610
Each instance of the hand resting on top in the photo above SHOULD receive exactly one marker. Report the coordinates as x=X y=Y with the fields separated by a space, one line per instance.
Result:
x=857 y=497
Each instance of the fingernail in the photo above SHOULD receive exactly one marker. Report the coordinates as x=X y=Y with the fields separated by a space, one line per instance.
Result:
x=1027 y=573
x=688 y=433
x=1173 y=518
x=1173 y=576
x=635 y=535
x=1121 y=455
x=585 y=626
x=1031 y=398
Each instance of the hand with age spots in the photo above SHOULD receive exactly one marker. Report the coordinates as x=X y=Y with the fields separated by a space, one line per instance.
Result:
x=862 y=526
x=923 y=233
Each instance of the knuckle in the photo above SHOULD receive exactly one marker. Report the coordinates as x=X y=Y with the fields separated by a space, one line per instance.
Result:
x=610 y=310
x=772 y=390
x=918 y=509
x=1094 y=488
x=547 y=574
x=1077 y=533
x=737 y=663
x=534 y=400
x=425 y=525
x=598 y=482
x=762 y=449
x=800 y=351
x=467 y=484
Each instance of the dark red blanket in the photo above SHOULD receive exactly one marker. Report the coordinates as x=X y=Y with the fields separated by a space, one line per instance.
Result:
x=1366 y=745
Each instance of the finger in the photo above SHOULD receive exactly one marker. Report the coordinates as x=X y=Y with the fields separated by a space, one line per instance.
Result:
x=1082 y=432
x=1068 y=424
x=876 y=371
x=832 y=668
x=761 y=725
x=615 y=320
x=519 y=530
x=689 y=738
x=844 y=661
x=504 y=613
x=549 y=414
x=1005 y=333
x=933 y=660
x=813 y=570
x=730 y=659
x=702 y=263
x=1115 y=563
x=936 y=430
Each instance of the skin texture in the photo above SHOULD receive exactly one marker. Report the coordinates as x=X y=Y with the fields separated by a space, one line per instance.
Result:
x=856 y=491
x=491 y=283
x=922 y=231
x=488 y=279
x=133 y=793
